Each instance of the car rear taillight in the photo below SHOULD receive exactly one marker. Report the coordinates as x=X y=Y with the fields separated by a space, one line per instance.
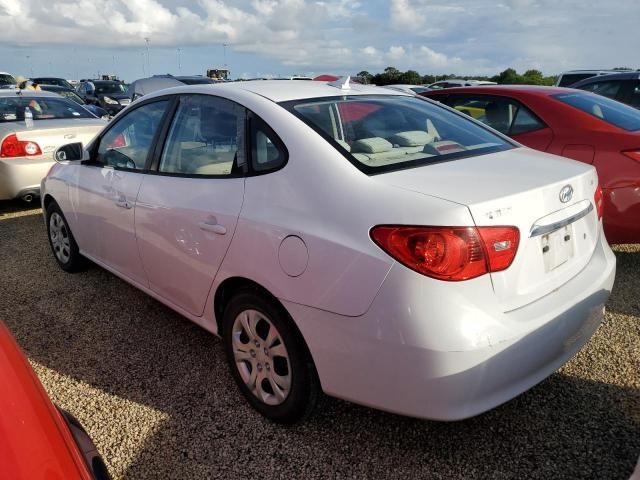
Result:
x=598 y=200
x=632 y=154
x=12 y=147
x=449 y=253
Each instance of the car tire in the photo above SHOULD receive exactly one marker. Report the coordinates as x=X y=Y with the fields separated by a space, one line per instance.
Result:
x=63 y=245
x=268 y=358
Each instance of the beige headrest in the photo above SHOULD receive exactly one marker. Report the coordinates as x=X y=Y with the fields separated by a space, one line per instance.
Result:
x=412 y=138
x=371 y=145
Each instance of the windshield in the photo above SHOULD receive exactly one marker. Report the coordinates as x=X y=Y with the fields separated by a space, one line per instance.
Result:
x=105 y=88
x=196 y=81
x=612 y=112
x=381 y=133
x=60 y=82
x=42 y=108
x=7 y=80
x=571 y=78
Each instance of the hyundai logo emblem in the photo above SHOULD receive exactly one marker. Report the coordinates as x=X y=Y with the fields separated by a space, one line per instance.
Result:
x=566 y=193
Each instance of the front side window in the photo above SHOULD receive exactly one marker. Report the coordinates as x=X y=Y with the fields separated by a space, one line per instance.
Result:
x=7 y=80
x=634 y=101
x=503 y=114
x=13 y=108
x=206 y=138
x=384 y=132
x=128 y=143
x=609 y=111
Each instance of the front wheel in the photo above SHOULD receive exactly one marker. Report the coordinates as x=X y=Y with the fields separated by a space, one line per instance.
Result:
x=63 y=245
x=269 y=359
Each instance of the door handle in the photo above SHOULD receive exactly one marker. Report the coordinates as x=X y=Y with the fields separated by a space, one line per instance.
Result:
x=124 y=204
x=212 y=226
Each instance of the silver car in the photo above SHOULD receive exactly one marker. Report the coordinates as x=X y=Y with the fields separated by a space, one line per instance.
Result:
x=32 y=126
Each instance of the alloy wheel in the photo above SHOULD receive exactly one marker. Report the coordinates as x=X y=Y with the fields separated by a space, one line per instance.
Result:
x=59 y=236
x=261 y=357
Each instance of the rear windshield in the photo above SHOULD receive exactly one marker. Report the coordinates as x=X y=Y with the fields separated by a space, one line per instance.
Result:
x=380 y=133
x=7 y=80
x=196 y=81
x=612 y=112
x=42 y=108
x=571 y=78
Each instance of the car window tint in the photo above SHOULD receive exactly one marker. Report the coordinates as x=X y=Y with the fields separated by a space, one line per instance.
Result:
x=634 y=101
x=603 y=108
x=606 y=89
x=267 y=151
x=204 y=137
x=128 y=142
x=503 y=114
x=380 y=133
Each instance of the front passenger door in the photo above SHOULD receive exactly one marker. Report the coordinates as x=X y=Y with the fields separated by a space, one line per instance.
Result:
x=108 y=189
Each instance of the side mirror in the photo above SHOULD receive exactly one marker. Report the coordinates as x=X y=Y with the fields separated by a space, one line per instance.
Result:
x=71 y=152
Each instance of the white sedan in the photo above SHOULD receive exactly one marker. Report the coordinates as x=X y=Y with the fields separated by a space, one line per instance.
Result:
x=370 y=244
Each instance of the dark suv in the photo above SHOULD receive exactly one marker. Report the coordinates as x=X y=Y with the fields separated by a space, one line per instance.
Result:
x=623 y=87
x=108 y=94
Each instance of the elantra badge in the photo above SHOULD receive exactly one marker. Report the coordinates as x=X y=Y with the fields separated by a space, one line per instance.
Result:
x=566 y=193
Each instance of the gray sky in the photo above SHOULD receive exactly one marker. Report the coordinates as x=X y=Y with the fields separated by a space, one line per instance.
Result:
x=273 y=37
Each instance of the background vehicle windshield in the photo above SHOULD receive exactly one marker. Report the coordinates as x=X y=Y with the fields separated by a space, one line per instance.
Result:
x=614 y=113
x=71 y=96
x=111 y=87
x=382 y=133
x=7 y=80
x=42 y=108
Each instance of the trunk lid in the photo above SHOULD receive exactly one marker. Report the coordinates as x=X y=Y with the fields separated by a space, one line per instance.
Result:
x=52 y=134
x=522 y=188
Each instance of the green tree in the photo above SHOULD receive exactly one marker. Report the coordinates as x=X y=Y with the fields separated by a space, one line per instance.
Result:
x=410 y=77
x=365 y=76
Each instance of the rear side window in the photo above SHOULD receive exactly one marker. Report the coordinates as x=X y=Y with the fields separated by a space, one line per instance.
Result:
x=571 y=78
x=609 y=111
x=503 y=114
x=379 y=133
x=268 y=153
x=205 y=138
x=606 y=89
x=634 y=101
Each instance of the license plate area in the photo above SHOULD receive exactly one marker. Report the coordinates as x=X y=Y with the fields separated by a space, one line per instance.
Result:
x=557 y=247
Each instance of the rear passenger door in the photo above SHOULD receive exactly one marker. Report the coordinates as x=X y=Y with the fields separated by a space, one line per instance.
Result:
x=190 y=200
x=507 y=115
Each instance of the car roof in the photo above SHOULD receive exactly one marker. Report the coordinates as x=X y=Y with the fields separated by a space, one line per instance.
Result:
x=28 y=93
x=611 y=76
x=502 y=89
x=594 y=71
x=286 y=90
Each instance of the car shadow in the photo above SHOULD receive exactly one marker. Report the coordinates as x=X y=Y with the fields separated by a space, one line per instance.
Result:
x=625 y=298
x=99 y=330
x=16 y=207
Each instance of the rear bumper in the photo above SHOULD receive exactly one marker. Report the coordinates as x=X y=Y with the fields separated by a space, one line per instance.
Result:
x=19 y=176
x=423 y=352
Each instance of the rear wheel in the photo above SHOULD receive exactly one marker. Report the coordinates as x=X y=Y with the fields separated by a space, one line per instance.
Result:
x=269 y=359
x=63 y=245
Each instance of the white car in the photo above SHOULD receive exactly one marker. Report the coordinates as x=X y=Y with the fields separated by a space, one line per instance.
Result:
x=32 y=127
x=370 y=244
x=410 y=89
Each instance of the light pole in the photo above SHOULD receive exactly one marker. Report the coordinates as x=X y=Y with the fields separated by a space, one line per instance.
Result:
x=146 y=39
x=179 y=66
x=224 y=54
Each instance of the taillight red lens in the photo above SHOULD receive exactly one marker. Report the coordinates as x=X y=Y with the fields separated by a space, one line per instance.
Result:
x=598 y=200
x=12 y=147
x=449 y=253
x=501 y=245
x=632 y=154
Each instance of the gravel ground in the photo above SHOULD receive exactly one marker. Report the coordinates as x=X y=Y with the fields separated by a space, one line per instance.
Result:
x=154 y=392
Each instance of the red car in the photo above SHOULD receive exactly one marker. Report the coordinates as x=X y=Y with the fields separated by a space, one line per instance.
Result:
x=38 y=440
x=572 y=123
